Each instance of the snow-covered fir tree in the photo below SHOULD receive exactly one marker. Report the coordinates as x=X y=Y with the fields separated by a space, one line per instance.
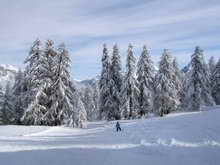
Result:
x=178 y=81
x=34 y=113
x=79 y=116
x=212 y=65
x=115 y=84
x=145 y=78
x=2 y=115
x=130 y=90
x=105 y=103
x=38 y=79
x=80 y=119
x=18 y=94
x=53 y=102
x=215 y=81
x=33 y=61
x=60 y=93
x=96 y=96
x=166 y=99
x=198 y=87
x=7 y=115
x=31 y=73
x=62 y=107
x=89 y=103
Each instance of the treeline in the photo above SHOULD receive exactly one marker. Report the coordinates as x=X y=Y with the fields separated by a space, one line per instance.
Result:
x=142 y=89
x=44 y=93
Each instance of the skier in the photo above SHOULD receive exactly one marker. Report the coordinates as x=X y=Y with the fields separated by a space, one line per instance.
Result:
x=118 y=127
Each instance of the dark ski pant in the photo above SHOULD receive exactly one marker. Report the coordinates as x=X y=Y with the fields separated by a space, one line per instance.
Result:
x=118 y=129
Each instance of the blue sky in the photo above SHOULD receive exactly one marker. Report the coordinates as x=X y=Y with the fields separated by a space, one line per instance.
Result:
x=84 y=26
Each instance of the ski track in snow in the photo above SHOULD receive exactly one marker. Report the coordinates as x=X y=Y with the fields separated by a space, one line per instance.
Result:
x=178 y=143
x=159 y=142
x=178 y=134
x=78 y=146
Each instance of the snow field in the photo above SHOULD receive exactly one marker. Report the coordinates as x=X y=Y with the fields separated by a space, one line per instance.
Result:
x=181 y=138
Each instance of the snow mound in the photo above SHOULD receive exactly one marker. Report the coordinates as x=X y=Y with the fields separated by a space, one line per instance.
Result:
x=177 y=143
x=182 y=114
x=58 y=131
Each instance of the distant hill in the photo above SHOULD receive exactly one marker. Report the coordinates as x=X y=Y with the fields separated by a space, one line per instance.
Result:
x=7 y=74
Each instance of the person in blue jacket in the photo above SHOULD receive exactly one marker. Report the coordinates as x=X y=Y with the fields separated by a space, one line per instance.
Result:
x=118 y=127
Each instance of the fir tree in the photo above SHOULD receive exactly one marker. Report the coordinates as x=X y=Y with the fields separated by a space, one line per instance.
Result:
x=78 y=117
x=18 y=91
x=178 y=79
x=96 y=96
x=115 y=84
x=81 y=117
x=34 y=114
x=145 y=78
x=2 y=115
x=130 y=89
x=53 y=102
x=37 y=81
x=198 y=89
x=33 y=61
x=212 y=65
x=89 y=103
x=216 y=83
x=62 y=106
x=104 y=86
x=31 y=73
x=7 y=115
x=165 y=89
x=48 y=78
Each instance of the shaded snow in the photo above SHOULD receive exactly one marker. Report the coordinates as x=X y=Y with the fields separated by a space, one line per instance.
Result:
x=181 y=138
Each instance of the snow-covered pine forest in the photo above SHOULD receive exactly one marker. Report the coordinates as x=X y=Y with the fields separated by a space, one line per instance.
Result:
x=44 y=92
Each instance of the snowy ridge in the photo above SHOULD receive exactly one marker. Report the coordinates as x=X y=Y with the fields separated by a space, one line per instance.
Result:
x=78 y=146
x=60 y=132
x=177 y=143
x=82 y=84
x=7 y=74
x=9 y=67
x=182 y=114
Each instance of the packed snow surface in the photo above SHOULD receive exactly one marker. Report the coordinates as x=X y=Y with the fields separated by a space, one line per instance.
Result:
x=181 y=138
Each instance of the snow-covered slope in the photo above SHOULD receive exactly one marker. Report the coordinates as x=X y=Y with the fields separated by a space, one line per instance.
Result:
x=91 y=81
x=7 y=74
x=82 y=84
x=182 y=138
